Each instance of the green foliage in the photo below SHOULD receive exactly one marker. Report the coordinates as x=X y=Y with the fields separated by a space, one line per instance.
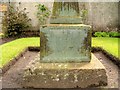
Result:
x=114 y=34
x=84 y=14
x=42 y=13
x=12 y=49
x=14 y=21
x=106 y=34
x=1 y=35
x=101 y=34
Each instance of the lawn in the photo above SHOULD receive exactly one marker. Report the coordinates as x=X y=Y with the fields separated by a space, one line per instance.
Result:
x=109 y=44
x=12 y=49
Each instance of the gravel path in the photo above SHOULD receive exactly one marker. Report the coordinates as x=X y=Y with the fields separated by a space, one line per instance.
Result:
x=13 y=76
x=11 y=79
x=111 y=69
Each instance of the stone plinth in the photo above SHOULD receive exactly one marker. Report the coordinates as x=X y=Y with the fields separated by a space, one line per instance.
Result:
x=65 y=43
x=65 y=75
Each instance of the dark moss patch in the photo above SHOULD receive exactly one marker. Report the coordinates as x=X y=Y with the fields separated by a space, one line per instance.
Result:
x=43 y=45
x=31 y=48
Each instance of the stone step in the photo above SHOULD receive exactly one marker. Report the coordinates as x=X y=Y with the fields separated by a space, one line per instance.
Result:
x=65 y=75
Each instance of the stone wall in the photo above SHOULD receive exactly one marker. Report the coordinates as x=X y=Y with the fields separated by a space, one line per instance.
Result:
x=32 y=11
x=3 y=8
x=101 y=16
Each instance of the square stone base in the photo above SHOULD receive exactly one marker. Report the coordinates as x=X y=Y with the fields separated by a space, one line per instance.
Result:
x=63 y=43
x=65 y=75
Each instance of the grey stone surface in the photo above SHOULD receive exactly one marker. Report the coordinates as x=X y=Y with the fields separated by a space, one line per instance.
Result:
x=65 y=43
x=64 y=20
x=66 y=12
x=64 y=75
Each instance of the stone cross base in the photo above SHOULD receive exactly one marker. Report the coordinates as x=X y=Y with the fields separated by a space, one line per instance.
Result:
x=65 y=75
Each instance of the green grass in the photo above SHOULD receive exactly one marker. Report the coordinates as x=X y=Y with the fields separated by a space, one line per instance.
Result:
x=12 y=49
x=108 y=44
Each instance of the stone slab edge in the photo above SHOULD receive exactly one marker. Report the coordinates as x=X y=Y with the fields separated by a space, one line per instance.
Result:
x=61 y=75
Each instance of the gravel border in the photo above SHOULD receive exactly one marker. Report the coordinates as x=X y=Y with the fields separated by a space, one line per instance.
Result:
x=114 y=59
x=6 y=67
